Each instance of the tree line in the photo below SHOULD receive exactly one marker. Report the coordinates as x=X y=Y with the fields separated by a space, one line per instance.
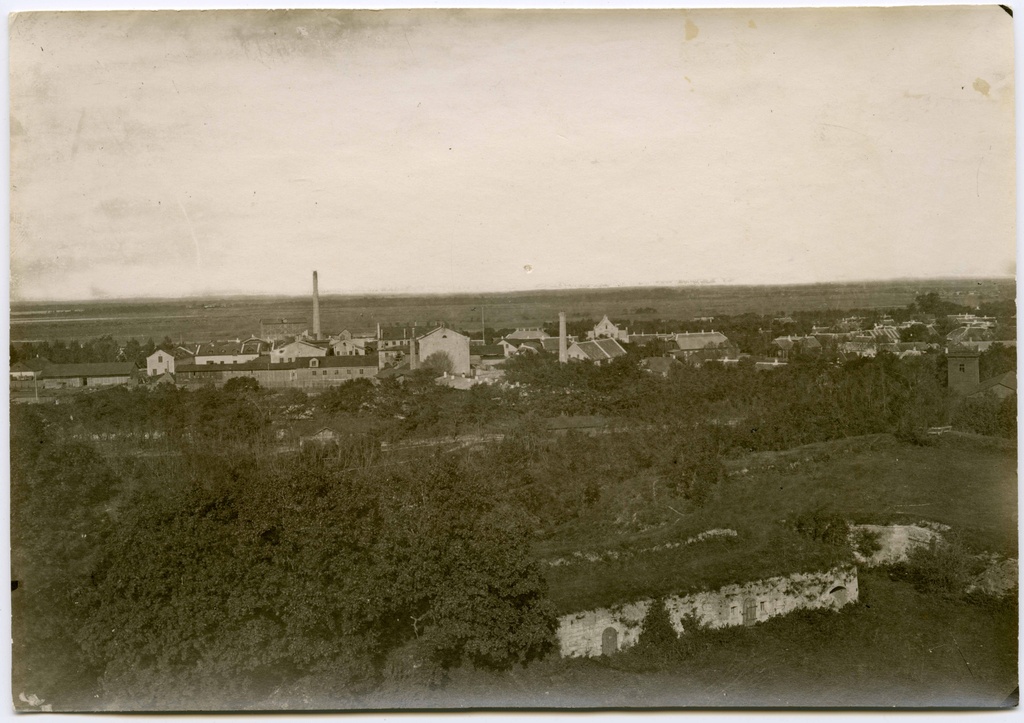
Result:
x=102 y=349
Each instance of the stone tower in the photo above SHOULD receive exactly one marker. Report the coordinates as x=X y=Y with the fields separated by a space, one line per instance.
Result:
x=962 y=369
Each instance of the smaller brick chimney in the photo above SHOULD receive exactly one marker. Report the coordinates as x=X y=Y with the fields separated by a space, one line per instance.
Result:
x=563 y=352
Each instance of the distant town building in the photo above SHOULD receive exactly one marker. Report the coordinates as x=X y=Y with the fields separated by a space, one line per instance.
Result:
x=986 y=345
x=231 y=352
x=597 y=351
x=486 y=355
x=76 y=376
x=963 y=370
x=547 y=345
x=785 y=346
x=885 y=333
x=969 y=334
x=855 y=349
x=275 y=330
x=1001 y=387
x=310 y=373
x=606 y=329
x=850 y=323
x=297 y=349
x=162 y=362
x=645 y=339
x=28 y=370
x=983 y=322
x=522 y=334
x=319 y=434
x=394 y=337
x=689 y=343
x=445 y=341
x=353 y=346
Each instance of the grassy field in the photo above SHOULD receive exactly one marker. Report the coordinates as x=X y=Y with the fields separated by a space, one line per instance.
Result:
x=206 y=319
x=968 y=483
x=896 y=647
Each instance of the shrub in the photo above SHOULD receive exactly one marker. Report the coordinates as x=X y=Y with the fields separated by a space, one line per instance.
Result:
x=657 y=645
x=656 y=630
x=349 y=397
x=823 y=526
x=439 y=362
x=915 y=436
x=241 y=384
x=942 y=567
x=987 y=415
x=294 y=397
x=696 y=637
x=866 y=542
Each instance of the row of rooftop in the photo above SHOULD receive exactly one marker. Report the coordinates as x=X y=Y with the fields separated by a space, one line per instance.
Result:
x=393 y=351
x=287 y=354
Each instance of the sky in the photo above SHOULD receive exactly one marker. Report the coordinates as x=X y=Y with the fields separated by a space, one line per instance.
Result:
x=166 y=154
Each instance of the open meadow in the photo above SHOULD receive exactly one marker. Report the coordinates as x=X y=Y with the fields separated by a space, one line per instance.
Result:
x=900 y=645
x=963 y=481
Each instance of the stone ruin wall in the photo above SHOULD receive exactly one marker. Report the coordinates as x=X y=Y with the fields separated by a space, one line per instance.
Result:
x=897 y=541
x=584 y=634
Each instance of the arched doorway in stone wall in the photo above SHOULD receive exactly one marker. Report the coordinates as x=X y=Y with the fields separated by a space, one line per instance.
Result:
x=749 y=611
x=840 y=595
x=609 y=641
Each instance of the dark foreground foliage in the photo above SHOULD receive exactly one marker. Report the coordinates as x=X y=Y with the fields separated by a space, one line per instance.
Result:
x=246 y=578
x=943 y=567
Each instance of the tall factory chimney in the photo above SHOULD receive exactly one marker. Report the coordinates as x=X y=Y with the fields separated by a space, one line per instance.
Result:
x=563 y=352
x=316 y=308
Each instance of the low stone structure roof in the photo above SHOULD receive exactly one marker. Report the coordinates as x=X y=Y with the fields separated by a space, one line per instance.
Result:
x=488 y=350
x=99 y=369
x=787 y=342
x=532 y=333
x=36 y=364
x=600 y=349
x=1008 y=380
x=687 y=341
x=226 y=348
x=969 y=333
x=264 y=364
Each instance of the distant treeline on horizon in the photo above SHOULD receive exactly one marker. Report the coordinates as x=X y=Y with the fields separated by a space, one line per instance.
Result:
x=713 y=288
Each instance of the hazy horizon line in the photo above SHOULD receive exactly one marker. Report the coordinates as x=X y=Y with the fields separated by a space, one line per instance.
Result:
x=517 y=292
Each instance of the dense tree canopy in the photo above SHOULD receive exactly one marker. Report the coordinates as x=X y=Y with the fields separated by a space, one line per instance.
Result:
x=243 y=576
